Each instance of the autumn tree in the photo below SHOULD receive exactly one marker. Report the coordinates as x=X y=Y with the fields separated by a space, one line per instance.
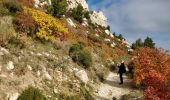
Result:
x=152 y=70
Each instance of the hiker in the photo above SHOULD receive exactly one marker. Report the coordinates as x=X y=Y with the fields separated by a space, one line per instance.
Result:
x=122 y=70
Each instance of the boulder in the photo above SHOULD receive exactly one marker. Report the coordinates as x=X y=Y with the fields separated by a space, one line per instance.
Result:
x=10 y=66
x=5 y=51
x=82 y=75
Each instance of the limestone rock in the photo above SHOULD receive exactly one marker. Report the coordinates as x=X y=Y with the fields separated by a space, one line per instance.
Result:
x=107 y=40
x=3 y=51
x=38 y=73
x=113 y=45
x=29 y=67
x=82 y=75
x=107 y=32
x=10 y=65
x=13 y=96
x=70 y=22
x=47 y=76
x=73 y=3
x=98 y=18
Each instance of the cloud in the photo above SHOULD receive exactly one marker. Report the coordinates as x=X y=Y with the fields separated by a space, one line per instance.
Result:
x=138 y=18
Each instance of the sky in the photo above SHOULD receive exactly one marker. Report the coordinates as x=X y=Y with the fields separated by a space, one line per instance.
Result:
x=137 y=19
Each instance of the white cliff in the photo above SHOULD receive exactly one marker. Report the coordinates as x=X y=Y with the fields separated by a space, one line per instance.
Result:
x=73 y=3
x=98 y=18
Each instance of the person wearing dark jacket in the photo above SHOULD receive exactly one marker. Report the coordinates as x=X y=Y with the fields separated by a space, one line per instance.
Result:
x=122 y=70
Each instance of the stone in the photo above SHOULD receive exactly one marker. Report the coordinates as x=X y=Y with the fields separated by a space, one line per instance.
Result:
x=73 y=3
x=107 y=32
x=38 y=73
x=113 y=45
x=75 y=69
x=98 y=18
x=55 y=91
x=5 y=51
x=107 y=40
x=13 y=96
x=97 y=35
x=111 y=35
x=39 y=54
x=82 y=75
x=130 y=50
x=70 y=22
x=29 y=67
x=10 y=66
x=47 y=76
x=3 y=76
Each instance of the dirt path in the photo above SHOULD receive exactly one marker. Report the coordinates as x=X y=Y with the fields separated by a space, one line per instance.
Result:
x=110 y=88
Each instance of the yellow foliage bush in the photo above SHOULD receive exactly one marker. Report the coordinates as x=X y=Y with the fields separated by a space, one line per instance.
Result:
x=49 y=28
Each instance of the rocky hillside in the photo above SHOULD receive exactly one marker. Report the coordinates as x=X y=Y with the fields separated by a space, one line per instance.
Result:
x=50 y=57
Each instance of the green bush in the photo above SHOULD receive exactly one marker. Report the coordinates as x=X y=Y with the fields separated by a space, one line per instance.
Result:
x=80 y=56
x=86 y=15
x=78 y=13
x=3 y=11
x=58 y=8
x=16 y=42
x=31 y=93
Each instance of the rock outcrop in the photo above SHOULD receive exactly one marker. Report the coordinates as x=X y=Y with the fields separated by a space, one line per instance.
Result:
x=73 y=3
x=98 y=18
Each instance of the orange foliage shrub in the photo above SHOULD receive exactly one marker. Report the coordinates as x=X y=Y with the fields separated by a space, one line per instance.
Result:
x=152 y=69
x=27 y=3
x=25 y=23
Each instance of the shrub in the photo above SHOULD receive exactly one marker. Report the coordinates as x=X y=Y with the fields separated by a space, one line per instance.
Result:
x=3 y=11
x=86 y=15
x=80 y=56
x=49 y=28
x=12 y=5
x=25 y=23
x=152 y=69
x=27 y=3
x=94 y=38
x=6 y=30
x=78 y=13
x=31 y=93
x=17 y=42
x=58 y=8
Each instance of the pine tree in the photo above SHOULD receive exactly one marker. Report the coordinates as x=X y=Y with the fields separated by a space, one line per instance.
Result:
x=137 y=44
x=148 y=42
x=78 y=13
x=58 y=8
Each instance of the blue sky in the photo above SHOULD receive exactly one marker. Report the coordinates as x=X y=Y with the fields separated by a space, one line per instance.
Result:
x=137 y=18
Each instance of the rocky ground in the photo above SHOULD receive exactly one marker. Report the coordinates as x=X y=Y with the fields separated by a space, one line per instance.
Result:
x=111 y=90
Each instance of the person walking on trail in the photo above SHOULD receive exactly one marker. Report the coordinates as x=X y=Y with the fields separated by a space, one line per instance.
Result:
x=122 y=70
